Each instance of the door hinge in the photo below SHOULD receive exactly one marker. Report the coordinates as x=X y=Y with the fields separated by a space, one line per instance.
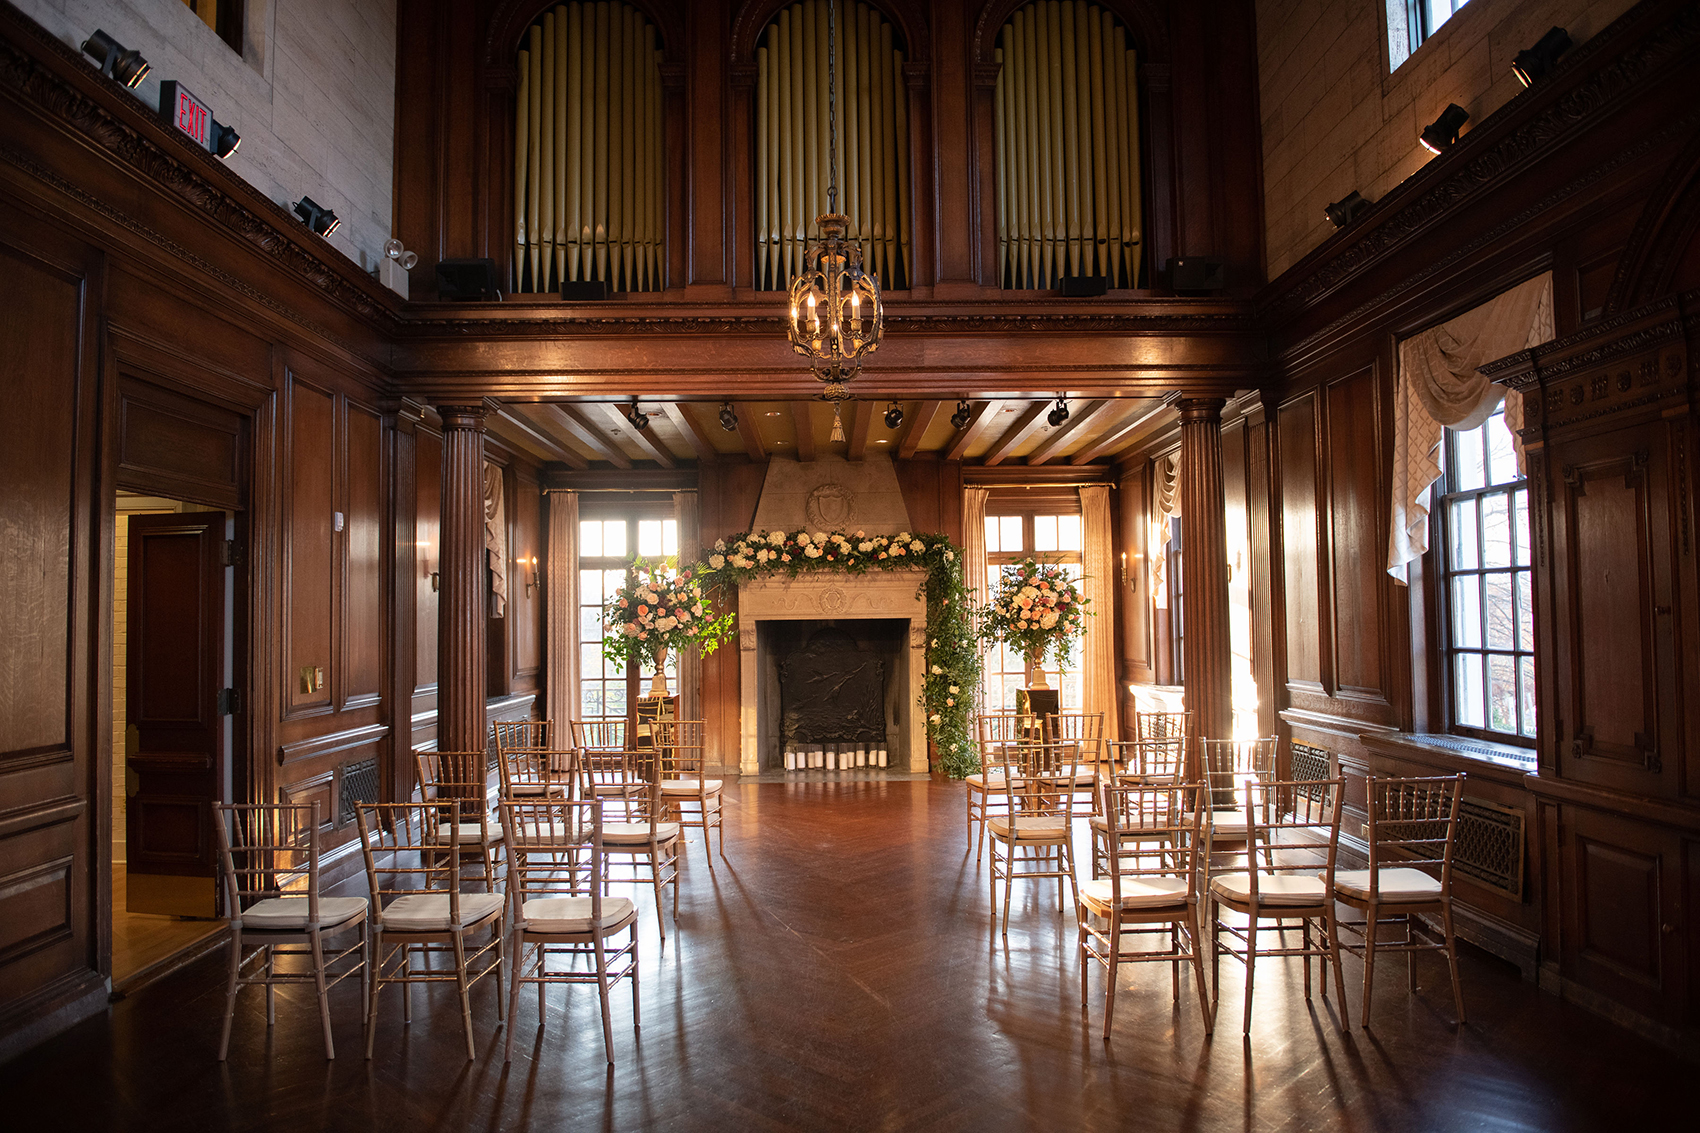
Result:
x=229 y=702
x=230 y=554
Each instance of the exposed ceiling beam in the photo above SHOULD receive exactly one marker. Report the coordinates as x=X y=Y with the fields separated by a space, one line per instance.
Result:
x=687 y=424
x=647 y=440
x=859 y=429
x=588 y=434
x=1122 y=435
x=752 y=435
x=1056 y=440
x=978 y=420
x=804 y=425
x=918 y=426
x=541 y=420
x=1025 y=426
x=509 y=429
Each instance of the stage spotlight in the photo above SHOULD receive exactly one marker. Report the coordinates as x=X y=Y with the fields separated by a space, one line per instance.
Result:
x=225 y=140
x=1345 y=210
x=320 y=219
x=894 y=416
x=959 y=419
x=728 y=417
x=638 y=418
x=127 y=67
x=1059 y=414
x=1442 y=133
x=1535 y=62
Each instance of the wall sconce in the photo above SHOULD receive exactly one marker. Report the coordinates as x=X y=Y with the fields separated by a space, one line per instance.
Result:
x=1442 y=133
x=530 y=583
x=127 y=67
x=1124 y=568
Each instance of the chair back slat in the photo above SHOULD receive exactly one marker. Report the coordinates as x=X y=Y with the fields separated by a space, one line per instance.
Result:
x=268 y=850
x=554 y=850
x=1162 y=726
x=524 y=735
x=1227 y=765
x=453 y=775
x=998 y=732
x=1150 y=761
x=1152 y=831
x=1292 y=826
x=1083 y=730
x=412 y=847
x=1414 y=818
x=679 y=748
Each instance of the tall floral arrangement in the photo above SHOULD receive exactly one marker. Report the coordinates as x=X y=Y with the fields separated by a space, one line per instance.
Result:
x=1037 y=610
x=660 y=607
x=953 y=663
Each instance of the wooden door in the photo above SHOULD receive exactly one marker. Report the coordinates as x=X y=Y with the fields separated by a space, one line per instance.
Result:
x=175 y=745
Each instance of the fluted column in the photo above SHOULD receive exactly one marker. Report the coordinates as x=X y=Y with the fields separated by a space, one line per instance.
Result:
x=463 y=599
x=1208 y=646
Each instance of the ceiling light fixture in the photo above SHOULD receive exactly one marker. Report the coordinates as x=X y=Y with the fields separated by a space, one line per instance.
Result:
x=959 y=419
x=117 y=63
x=1534 y=63
x=894 y=416
x=1059 y=414
x=1442 y=133
x=315 y=216
x=1345 y=210
x=638 y=418
x=836 y=313
x=728 y=417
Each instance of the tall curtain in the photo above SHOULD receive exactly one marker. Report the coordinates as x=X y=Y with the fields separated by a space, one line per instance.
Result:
x=974 y=550
x=496 y=537
x=1166 y=504
x=690 y=548
x=560 y=598
x=1440 y=386
x=1098 y=653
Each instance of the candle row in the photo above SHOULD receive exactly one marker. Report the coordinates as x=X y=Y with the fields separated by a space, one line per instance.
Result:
x=835 y=757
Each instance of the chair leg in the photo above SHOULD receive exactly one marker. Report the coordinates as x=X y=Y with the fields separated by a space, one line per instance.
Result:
x=1331 y=924
x=993 y=874
x=1082 y=917
x=500 y=930
x=1410 y=953
x=465 y=997
x=1452 y=959
x=633 y=976
x=1110 y=970
x=271 y=991
x=514 y=975
x=602 y=992
x=1211 y=913
x=1369 y=966
x=1175 y=964
x=655 y=880
x=230 y=993
x=1008 y=882
x=1304 y=940
x=406 y=984
x=377 y=986
x=1204 y=1006
x=1250 y=965
x=316 y=946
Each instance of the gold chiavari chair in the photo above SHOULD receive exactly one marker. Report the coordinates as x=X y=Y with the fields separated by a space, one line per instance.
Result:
x=1226 y=767
x=642 y=843
x=1151 y=830
x=1411 y=828
x=556 y=883
x=524 y=735
x=1153 y=762
x=269 y=858
x=1162 y=726
x=994 y=731
x=607 y=763
x=687 y=796
x=420 y=908
x=1294 y=826
x=1080 y=739
x=445 y=775
x=1034 y=839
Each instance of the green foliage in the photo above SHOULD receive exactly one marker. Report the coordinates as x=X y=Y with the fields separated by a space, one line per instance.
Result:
x=1038 y=609
x=660 y=607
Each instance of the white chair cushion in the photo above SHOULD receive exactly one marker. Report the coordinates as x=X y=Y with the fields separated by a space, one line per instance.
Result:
x=1272 y=888
x=1035 y=827
x=572 y=914
x=1397 y=884
x=471 y=832
x=621 y=833
x=1079 y=772
x=618 y=789
x=531 y=790
x=1228 y=823
x=995 y=780
x=1137 y=892
x=429 y=912
x=688 y=786
x=289 y=914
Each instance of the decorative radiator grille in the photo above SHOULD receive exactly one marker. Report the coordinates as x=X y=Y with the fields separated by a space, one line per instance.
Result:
x=1309 y=763
x=360 y=784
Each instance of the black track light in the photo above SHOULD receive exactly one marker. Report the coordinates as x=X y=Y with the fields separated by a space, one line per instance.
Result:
x=894 y=416
x=728 y=417
x=225 y=140
x=1442 y=133
x=638 y=418
x=320 y=219
x=1345 y=210
x=1534 y=63
x=127 y=67
x=959 y=419
x=1059 y=414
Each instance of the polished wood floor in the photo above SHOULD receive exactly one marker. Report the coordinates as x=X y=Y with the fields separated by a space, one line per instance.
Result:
x=838 y=971
x=140 y=941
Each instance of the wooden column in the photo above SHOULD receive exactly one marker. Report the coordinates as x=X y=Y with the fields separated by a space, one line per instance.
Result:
x=1204 y=566
x=463 y=599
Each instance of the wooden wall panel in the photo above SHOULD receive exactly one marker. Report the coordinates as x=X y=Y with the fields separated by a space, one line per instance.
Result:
x=176 y=447
x=1300 y=528
x=1356 y=533
x=363 y=578
x=309 y=592
x=428 y=491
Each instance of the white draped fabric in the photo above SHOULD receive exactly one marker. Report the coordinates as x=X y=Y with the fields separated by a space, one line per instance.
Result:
x=561 y=603
x=1440 y=387
x=1098 y=660
x=974 y=550
x=1166 y=504
x=690 y=549
x=496 y=538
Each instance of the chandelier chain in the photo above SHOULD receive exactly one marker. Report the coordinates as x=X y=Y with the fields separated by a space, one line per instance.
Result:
x=832 y=106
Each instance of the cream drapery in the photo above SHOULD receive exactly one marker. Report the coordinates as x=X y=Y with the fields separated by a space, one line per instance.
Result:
x=1098 y=660
x=561 y=603
x=1440 y=387
x=496 y=538
x=974 y=555
x=690 y=549
x=1165 y=505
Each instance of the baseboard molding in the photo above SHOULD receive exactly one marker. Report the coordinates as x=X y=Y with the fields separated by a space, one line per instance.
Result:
x=57 y=1007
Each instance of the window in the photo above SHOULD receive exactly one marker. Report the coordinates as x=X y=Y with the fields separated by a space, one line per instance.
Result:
x=1483 y=515
x=605 y=548
x=1009 y=539
x=224 y=17
x=1410 y=22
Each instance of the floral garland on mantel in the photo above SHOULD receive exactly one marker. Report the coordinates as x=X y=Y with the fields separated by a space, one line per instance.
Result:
x=953 y=663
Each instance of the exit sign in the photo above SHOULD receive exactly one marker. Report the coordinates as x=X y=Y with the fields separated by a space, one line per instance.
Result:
x=186 y=112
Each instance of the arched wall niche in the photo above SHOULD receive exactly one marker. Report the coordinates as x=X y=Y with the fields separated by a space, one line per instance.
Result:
x=754 y=16
x=511 y=18
x=1145 y=22
x=1663 y=253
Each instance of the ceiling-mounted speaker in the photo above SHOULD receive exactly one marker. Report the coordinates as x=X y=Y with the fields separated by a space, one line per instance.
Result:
x=584 y=290
x=467 y=279
x=1082 y=286
x=1197 y=273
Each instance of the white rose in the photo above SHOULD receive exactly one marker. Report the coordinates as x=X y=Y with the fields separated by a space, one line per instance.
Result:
x=950 y=556
x=954 y=690
x=777 y=538
x=716 y=561
x=803 y=538
x=812 y=552
x=915 y=545
x=720 y=544
x=820 y=536
x=864 y=547
x=903 y=536
x=934 y=717
x=1047 y=621
x=937 y=672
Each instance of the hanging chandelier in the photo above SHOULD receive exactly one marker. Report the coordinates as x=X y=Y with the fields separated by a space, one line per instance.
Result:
x=836 y=313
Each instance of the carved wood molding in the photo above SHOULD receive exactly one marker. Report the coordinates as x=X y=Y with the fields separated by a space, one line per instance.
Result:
x=558 y=326
x=1571 y=113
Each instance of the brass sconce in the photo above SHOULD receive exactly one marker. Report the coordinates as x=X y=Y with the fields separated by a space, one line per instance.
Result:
x=532 y=582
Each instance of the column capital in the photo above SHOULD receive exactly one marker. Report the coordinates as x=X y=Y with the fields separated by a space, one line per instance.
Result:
x=467 y=416
x=1200 y=409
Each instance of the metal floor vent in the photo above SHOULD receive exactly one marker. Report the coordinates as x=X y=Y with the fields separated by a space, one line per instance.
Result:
x=360 y=784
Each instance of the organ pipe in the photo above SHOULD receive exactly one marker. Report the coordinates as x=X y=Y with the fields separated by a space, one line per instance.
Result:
x=589 y=151
x=1066 y=120
x=792 y=139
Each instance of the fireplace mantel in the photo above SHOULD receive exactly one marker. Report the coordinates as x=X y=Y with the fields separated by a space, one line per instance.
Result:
x=827 y=594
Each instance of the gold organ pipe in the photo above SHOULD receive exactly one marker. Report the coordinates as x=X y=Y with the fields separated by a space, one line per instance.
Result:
x=535 y=172
x=522 y=139
x=546 y=160
x=901 y=270
x=1070 y=136
x=1100 y=183
x=563 y=224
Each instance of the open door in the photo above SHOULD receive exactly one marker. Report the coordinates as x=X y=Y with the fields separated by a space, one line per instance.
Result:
x=175 y=746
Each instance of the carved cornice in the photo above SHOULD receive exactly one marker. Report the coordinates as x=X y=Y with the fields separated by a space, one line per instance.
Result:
x=1575 y=110
x=552 y=326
